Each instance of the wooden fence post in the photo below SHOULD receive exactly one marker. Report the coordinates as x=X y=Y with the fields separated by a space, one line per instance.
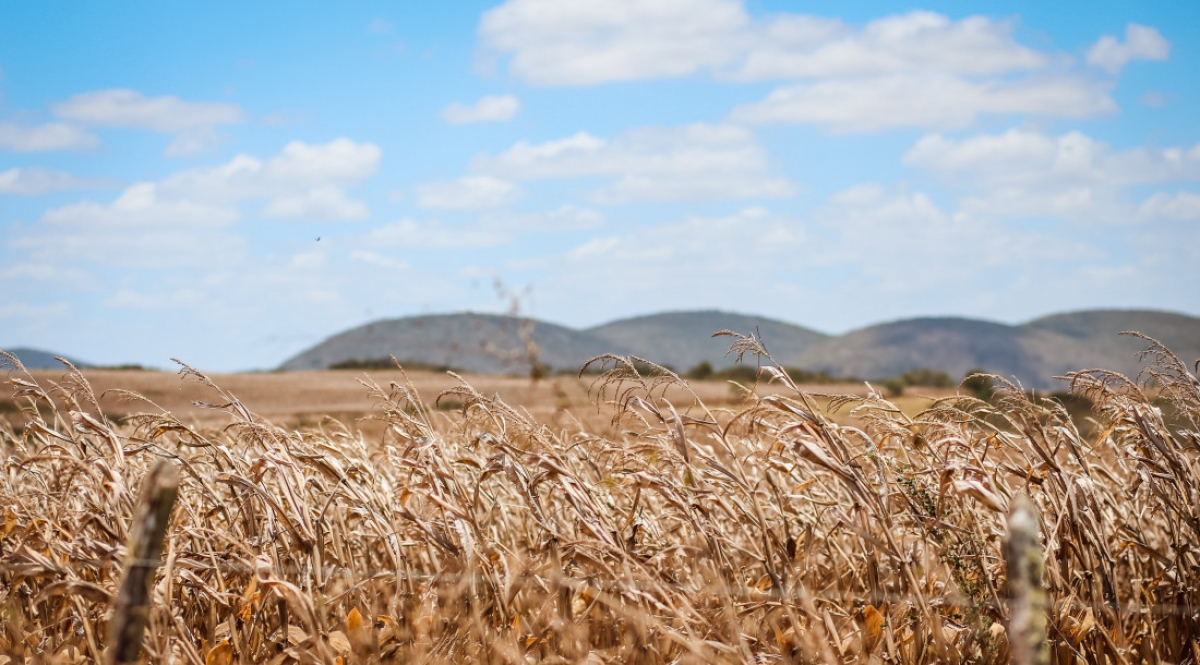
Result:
x=1027 y=622
x=131 y=610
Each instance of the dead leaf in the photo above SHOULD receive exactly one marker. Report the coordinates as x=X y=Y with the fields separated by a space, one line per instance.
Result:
x=222 y=654
x=872 y=628
x=339 y=642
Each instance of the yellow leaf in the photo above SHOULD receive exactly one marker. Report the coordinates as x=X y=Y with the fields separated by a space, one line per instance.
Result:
x=222 y=654
x=354 y=621
x=529 y=641
x=872 y=628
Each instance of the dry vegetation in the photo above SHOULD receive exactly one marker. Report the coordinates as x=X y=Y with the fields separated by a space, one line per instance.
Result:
x=653 y=528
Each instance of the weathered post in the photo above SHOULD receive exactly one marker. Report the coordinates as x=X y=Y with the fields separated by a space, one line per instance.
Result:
x=131 y=610
x=1027 y=595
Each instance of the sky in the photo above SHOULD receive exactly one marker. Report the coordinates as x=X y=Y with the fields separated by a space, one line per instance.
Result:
x=230 y=183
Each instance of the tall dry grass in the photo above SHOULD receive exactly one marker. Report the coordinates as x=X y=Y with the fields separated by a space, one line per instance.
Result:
x=676 y=533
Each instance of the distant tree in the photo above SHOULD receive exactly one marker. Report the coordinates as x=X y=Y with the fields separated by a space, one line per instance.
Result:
x=926 y=377
x=702 y=371
x=977 y=383
x=894 y=386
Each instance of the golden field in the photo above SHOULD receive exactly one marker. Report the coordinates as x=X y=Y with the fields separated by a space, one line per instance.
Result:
x=622 y=518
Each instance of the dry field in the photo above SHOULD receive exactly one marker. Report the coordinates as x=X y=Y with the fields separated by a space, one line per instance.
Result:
x=629 y=518
x=302 y=399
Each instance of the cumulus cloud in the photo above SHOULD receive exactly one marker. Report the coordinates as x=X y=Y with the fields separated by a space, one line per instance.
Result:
x=305 y=179
x=139 y=229
x=905 y=239
x=184 y=220
x=1181 y=206
x=193 y=123
x=493 y=108
x=564 y=219
x=130 y=108
x=411 y=234
x=691 y=162
x=48 y=136
x=33 y=181
x=1071 y=176
x=1141 y=43
x=586 y=43
x=1019 y=156
x=798 y=46
x=918 y=68
x=321 y=203
x=929 y=100
x=469 y=193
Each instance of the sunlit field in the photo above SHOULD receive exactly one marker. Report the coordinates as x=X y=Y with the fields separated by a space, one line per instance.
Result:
x=623 y=517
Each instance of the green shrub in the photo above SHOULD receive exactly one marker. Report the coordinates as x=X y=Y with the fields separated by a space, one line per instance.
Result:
x=702 y=371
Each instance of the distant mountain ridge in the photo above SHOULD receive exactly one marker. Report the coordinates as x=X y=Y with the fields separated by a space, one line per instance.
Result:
x=1033 y=352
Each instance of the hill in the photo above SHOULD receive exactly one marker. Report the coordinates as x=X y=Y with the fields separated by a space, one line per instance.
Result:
x=952 y=345
x=37 y=359
x=1099 y=332
x=484 y=343
x=684 y=339
x=1033 y=352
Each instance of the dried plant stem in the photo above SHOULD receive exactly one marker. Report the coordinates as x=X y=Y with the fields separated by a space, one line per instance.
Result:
x=1027 y=593
x=131 y=610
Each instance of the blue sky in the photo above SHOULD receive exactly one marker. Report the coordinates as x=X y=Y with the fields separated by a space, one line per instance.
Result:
x=230 y=184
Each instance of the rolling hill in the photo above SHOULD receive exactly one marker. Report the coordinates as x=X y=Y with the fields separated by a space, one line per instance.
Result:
x=484 y=343
x=37 y=359
x=683 y=339
x=1033 y=352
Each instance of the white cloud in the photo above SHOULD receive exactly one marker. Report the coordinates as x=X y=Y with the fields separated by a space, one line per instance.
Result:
x=1072 y=176
x=193 y=142
x=45 y=271
x=49 y=136
x=139 y=229
x=306 y=180
x=183 y=220
x=1141 y=43
x=691 y=162
x=378 y=260
x=130 y=108
x=19 y=311
x=798 y=46
x=34 y=181
x=924 y=100
x=910 y=243
x=586 y=43
x=408 y=233
x=140 y=205
x=566 y=218
x=298 y=166
x=1025 y=157
x=470 y=193
x=577 y=42
x=493 y=108
x=322 y=203
x=1178 y=207
x=178 y=299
